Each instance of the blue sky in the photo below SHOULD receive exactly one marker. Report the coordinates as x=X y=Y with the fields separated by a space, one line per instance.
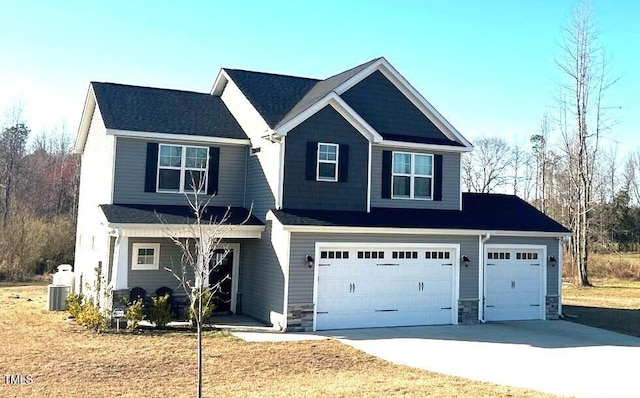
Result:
x=487 y=66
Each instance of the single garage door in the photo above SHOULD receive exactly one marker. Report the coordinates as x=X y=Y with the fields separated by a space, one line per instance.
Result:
x=378 y=286
x=513 y=284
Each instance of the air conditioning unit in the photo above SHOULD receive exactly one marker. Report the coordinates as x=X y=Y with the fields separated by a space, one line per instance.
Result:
x=57 y=297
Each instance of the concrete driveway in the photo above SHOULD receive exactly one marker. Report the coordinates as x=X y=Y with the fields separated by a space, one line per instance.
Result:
x=556 y=357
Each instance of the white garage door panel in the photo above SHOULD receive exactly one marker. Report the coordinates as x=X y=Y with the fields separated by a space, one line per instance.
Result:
x=367 y=292
x=513 y=283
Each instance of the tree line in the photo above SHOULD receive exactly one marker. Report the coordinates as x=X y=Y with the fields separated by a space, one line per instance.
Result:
x=39 y=177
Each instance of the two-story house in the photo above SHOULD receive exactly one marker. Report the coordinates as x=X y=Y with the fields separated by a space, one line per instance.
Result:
x=353 y=182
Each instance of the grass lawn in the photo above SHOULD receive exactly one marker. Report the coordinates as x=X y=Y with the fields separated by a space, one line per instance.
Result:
x=606 y=293
x=67 y=361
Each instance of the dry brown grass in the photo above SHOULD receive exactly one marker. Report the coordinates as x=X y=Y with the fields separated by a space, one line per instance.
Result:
x=66 y=361
x=609 y=266
x=605 y=293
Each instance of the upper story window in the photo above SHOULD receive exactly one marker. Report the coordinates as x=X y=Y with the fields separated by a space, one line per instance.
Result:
x=412 y=176
x=327 y=167
x=182 y=168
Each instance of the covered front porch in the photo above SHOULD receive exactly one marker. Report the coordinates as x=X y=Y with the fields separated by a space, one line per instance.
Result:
x=147 y=259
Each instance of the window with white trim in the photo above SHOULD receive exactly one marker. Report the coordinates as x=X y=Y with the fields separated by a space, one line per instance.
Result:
x=327 y=162
x=145 y=256
x=180 y=168
x=412 y=176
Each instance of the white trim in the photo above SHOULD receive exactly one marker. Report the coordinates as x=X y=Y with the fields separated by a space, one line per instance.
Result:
x=184 y=231
x=145 y=267
x=182 y=169
x=169 y=137
x=281 y=154
x=560 y=265
x=420 y=146
x=369 y=161
x=481 y=264
x=414 y=231
x=342 y=108
x=455 y=278
x=410 y=92
x=543 y=269
x=412 y=175
x=220 y=83
x=334 y=162
x=89 y=108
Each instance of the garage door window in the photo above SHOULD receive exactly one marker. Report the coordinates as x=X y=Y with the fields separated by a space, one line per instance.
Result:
x=436 y=255
x=334 y=254
x=526 y=256
x=370 y=254
x=404 y=254
x=499 y=256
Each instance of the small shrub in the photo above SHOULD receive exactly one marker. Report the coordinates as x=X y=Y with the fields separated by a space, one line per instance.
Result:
x=74 y=304
x=160 y=311
x=134 y=313
x=208 y=306
x=90 y=317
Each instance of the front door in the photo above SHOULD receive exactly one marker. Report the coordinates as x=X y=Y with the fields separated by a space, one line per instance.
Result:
x=220 y=279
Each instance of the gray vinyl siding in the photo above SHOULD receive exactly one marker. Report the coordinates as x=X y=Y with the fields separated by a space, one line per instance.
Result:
x=552 y=250
x=387 y=110
x=301 y=277
x=151 y=280
x=261 y=283
x=259 y=195
x=450 y=183
x=130 y=175
x=326 y=126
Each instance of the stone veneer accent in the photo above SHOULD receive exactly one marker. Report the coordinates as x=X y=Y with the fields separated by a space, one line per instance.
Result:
x=300 y=318
x=468 y=312
x=552 y=303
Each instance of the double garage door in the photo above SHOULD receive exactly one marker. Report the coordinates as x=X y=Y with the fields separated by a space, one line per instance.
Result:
x=513 y=284
x=385 y=286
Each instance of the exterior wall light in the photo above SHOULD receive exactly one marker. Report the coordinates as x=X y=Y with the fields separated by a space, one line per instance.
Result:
x=309 y=261
x=552 y=261
x=465 y=260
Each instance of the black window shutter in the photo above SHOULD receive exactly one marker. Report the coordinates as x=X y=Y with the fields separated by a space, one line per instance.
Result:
x=151 y=171
x=214 y=168
x=311 y=161
x=437 y=175
x=386 y=174
x=343 y=163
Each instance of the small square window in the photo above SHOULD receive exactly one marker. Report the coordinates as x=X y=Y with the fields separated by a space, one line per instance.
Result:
x=323 y=254
x=145 y=256
x=380 y=254
x=345 y=254
x=360 y=254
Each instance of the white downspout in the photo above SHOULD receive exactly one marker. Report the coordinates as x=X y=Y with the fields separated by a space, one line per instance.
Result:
x=482 y=241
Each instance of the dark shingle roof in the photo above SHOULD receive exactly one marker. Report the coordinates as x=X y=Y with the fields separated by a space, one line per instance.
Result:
x=135 y=108
x=169 y=214
x=278 y=98
x=272 y=95
x=492 y=212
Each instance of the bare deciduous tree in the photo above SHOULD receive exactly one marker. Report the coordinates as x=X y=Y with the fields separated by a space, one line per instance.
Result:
x=486 y=169
x=198 y=248
x=583 y=64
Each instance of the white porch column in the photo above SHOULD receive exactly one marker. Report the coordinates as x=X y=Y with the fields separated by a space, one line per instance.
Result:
x=120 y=279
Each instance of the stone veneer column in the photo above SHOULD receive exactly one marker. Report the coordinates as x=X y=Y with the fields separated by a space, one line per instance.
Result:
x=468 y=312
x=552 y=302
x=300 y=318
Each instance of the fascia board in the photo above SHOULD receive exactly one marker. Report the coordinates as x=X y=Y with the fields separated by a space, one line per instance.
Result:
x=177 y=137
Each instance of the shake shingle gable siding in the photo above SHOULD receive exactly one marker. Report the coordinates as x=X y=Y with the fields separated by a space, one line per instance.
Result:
x=490 y=212
x=157 y=110
x=389 y=112
x=301 y=189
